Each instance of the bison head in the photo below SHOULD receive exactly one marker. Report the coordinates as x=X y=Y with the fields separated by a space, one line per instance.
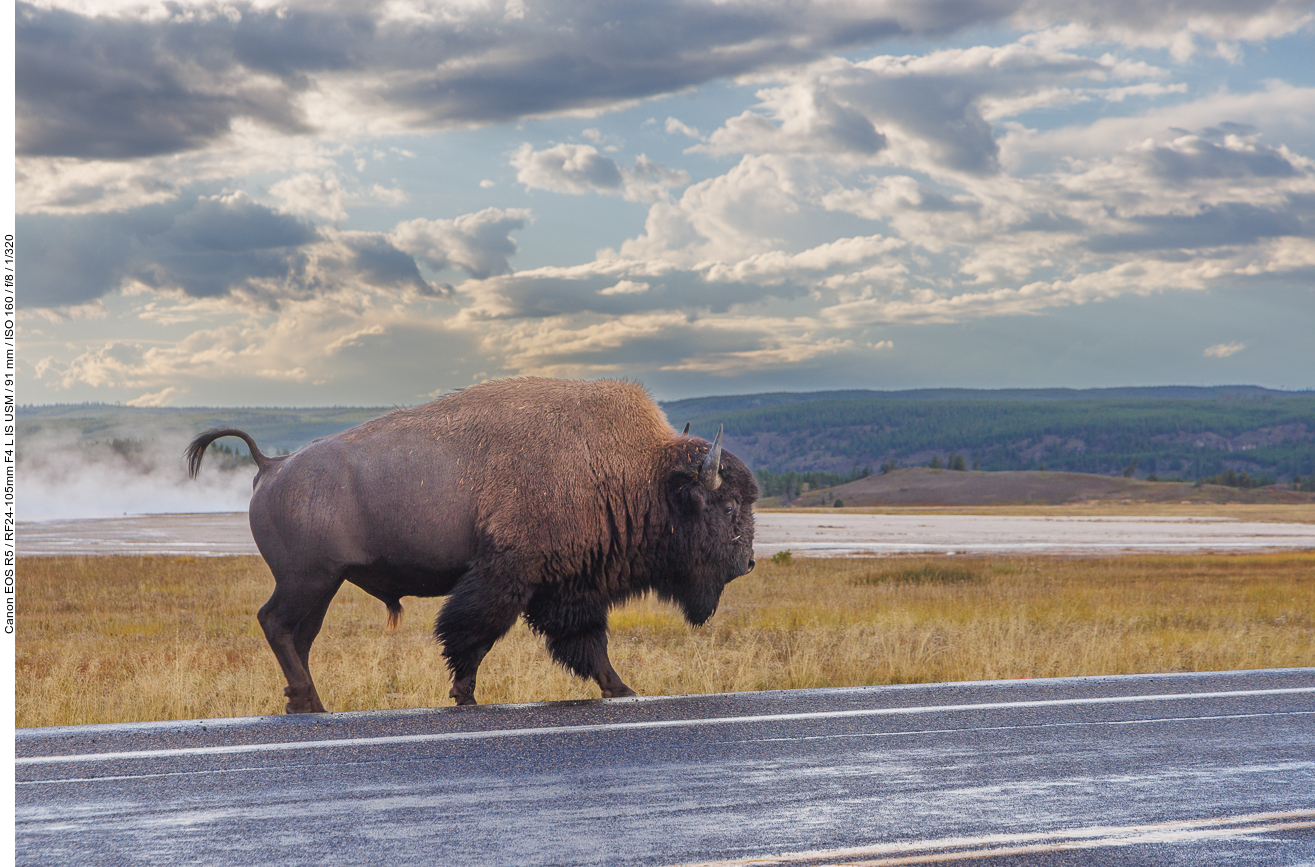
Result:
x=711 y=496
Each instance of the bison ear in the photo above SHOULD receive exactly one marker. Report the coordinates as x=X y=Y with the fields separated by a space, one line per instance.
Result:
x=695 y=499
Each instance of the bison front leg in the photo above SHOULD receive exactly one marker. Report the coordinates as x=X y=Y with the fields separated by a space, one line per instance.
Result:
x=580 y=645
x=478 y=612
x=610 y=682
x=585 y=653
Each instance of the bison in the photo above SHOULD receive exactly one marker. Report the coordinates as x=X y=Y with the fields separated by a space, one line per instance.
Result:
x=551 y=499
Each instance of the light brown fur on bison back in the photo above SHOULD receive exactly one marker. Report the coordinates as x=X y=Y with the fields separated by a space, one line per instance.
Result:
x=593 y=446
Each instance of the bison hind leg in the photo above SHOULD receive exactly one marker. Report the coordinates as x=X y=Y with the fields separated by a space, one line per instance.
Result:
x=291 y=619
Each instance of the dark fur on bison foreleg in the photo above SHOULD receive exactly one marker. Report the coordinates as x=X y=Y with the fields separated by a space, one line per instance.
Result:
x=578 y=644
x=585 y=653
x=478 y=612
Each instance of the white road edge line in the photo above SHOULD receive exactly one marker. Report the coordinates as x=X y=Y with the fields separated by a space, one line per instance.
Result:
x=996 y=845
x=650 y=724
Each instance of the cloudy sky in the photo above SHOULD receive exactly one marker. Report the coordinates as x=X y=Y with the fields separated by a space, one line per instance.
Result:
x=372 y=203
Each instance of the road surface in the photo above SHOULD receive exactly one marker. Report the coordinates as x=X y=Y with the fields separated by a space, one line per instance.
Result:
x=803 y=533
x=1200 y=769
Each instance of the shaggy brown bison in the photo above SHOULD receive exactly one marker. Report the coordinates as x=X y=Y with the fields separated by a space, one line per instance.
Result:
x=545 y=498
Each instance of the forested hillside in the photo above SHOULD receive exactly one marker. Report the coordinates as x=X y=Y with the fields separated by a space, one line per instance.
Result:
x=1263 y=433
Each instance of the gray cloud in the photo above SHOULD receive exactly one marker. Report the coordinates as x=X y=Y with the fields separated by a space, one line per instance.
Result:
x=209 y=247
x=114 y=88
x=648 y=180
x=679 y=340
x=1191 y=157
x=479 y=244
x=568 y=55
x=118 y=87
x=235 y=224
x=578 y=169
x=850 y=109
x=931 y=201
x=850 y=129
x=541 y=294
x=943 y=112
x=222 y=243
x=377 y=262
x=71 y=261
x=1048 y=222
x=1159 y=23
x=815 y=124
x=566 y=168
x=1221 y=225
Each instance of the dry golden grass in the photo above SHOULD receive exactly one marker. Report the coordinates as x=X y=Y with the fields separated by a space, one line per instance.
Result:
x=108 y=639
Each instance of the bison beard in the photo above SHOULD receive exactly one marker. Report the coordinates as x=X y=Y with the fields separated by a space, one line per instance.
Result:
x=548 y=499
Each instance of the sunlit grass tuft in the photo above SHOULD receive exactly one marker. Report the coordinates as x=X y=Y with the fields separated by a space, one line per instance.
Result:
x=140 y=638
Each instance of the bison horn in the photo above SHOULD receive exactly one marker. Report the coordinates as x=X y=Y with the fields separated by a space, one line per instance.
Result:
x=685 y=432
x=710 y=472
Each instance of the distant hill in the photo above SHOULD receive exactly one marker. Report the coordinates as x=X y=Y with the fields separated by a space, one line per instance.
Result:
x=697 y=407
x=919 y=486
x=1181 y=432
x=1171 y=431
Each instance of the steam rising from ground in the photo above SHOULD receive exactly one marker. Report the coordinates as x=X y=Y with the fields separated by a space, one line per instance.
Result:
x=62 y=476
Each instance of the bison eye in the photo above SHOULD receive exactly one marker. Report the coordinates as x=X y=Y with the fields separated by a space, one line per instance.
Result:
x=730 y=508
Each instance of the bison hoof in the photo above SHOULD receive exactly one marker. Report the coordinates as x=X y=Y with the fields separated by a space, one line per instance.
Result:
x=621 y=691
x=463 y=696
x=299 y=703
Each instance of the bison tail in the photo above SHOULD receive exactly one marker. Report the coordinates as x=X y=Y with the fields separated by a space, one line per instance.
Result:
x=196 y=450
x=394 y=613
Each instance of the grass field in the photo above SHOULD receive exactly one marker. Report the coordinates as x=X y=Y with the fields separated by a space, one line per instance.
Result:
x=112 y=639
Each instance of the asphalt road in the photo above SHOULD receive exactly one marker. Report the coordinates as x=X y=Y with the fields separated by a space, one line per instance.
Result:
x=816 y=534
x=1155 y=769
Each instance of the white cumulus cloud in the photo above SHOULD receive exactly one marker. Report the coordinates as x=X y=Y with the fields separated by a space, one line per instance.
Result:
x=580 y=168
x=1223 y=350
x=479 y=243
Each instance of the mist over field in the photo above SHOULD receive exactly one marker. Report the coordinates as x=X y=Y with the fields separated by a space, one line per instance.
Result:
x=62 y=477
x=106 y=460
